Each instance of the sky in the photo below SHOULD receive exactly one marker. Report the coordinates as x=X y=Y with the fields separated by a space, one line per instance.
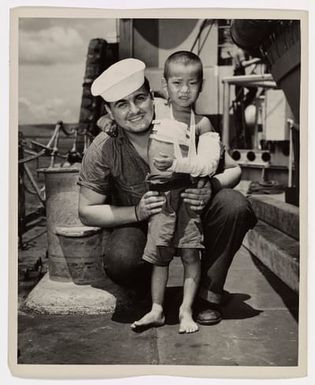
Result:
x=52 y=58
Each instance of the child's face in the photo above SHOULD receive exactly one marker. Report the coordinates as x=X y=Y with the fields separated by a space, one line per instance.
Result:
x=183 y=84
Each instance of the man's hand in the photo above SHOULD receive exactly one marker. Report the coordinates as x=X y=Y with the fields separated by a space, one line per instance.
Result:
x=199 y=196
x=163 y=162
x=151 y=203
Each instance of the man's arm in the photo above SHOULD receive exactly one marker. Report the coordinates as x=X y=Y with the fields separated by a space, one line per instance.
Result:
x=93 y=211
x=230 y=177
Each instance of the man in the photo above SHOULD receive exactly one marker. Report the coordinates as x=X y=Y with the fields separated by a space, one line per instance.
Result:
x=113 y=193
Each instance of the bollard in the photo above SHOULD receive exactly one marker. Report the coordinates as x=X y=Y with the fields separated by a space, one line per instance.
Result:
x=62 y=196
x=76 y=282
x=62 y=199
x=82 y=249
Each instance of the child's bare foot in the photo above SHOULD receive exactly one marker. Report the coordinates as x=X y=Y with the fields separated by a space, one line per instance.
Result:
x=186 y=322
x=152 y=319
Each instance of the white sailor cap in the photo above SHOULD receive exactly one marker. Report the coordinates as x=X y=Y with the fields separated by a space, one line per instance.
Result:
x=119 y=80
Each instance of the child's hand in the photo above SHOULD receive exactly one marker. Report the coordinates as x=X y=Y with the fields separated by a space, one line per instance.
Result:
x=163 y=162
x=106 y=124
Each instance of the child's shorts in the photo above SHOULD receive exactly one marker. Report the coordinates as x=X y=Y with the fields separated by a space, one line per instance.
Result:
x=176 y=227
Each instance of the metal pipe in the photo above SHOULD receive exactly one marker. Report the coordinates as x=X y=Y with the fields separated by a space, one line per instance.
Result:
x=290 y=124
x=34 y=184
x=131 y=41
x=203 y=23
x=55 y=149
x=200 y=46
x=247 y=78
x=32 y=157
x=226 y=114
x=263 y=84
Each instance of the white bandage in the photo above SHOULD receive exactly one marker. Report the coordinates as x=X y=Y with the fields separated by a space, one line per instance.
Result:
x=205 y=162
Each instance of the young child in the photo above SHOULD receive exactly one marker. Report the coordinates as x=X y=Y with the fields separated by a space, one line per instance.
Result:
x=176 y=165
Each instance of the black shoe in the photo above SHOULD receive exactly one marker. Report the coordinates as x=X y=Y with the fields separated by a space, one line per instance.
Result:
x=208 y=313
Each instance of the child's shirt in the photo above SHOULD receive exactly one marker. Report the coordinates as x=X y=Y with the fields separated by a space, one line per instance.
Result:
x=201 y=160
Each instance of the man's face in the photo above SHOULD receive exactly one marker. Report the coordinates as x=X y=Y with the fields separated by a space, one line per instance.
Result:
x=134 y=113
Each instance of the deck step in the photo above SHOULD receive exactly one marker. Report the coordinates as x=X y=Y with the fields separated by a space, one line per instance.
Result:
x=277 y=251
x=281 y=215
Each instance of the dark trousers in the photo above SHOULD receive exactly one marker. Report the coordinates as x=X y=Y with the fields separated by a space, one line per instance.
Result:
x=226 y=219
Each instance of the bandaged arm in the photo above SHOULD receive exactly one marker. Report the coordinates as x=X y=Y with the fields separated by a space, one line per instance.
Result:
x=205 y=162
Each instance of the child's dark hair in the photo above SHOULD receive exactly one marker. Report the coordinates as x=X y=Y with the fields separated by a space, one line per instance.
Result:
x=183 y=57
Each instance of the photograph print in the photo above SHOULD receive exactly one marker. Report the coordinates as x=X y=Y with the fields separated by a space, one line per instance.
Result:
x=159 y=192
